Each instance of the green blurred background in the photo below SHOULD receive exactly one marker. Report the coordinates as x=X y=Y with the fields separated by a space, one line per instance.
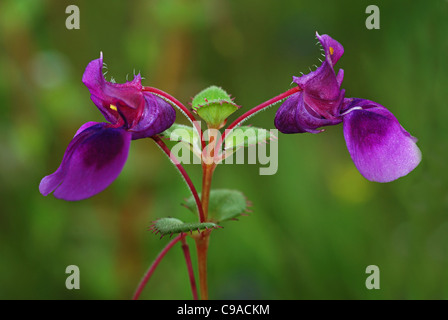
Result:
x=316 y=224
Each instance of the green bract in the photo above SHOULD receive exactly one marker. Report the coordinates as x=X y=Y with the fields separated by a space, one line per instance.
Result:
x=223 y=205
x=214 y=105
x=247 y=136
x=183 y=133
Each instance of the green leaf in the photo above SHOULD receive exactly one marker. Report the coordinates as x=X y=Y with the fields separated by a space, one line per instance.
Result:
x=223 y=205
x=183 y=133
x=171 y=226
x=180 y=132
x=214 y=105
x=246 y=136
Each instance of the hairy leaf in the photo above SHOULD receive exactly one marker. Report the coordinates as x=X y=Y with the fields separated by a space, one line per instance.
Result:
x=171 y=226
x=246 y=136
x=183 y=133
x=214 y=105
x=223 y=205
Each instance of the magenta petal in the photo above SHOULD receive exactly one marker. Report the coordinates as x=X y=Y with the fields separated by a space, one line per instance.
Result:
x=158 y=115
x=321 y=84
x=333 y=49
x=380 y=147
x=321 y=88
x=85 y=126
x=340 y=76
x=295 y=116
x=92 y=161
x=127 y=97
x=285 y=117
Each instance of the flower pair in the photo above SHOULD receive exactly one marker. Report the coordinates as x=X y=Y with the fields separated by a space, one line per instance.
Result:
x=97 y=153
x=381 y=149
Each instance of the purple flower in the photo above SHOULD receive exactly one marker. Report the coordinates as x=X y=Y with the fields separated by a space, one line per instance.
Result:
x=97 y=153
x=319 y=101
x=379 y=146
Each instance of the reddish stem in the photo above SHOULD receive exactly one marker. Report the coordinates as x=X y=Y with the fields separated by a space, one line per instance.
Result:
x=154 y=265
x=258 y=108
x=182 y=107
x=202 y=241
x=186 y=250
x=184 y=174
x=203 y=238
x=254 y=110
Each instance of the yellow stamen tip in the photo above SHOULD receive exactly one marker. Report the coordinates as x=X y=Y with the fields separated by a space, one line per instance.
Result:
x=112 y=107
x=331 y=50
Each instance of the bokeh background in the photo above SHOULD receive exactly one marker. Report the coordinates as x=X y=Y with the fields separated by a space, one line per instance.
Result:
x=316 y=224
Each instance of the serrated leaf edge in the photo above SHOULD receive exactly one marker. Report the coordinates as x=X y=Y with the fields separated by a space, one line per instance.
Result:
x=190 y=227
x=215 y=102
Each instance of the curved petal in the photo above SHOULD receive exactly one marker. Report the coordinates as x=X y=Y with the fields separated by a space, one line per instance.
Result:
x=321 y=84
x=92 y=161
x=158 y=115
x=285 y=117
x=295 y=116
x=85 y=126
x=340 y=76
x=380 y=147
x=333 y=49
x=321 y=87
x=127 y=98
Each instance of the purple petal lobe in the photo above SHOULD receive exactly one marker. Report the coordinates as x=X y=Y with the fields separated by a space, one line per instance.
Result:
x=126 y=99
x=380 y=147
x=92 y=161
x=285 y=118
x=333 y=49
x=86 y=126
x=158 y=115
x=295 y=116
x=340 y=76
x=321 y=88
